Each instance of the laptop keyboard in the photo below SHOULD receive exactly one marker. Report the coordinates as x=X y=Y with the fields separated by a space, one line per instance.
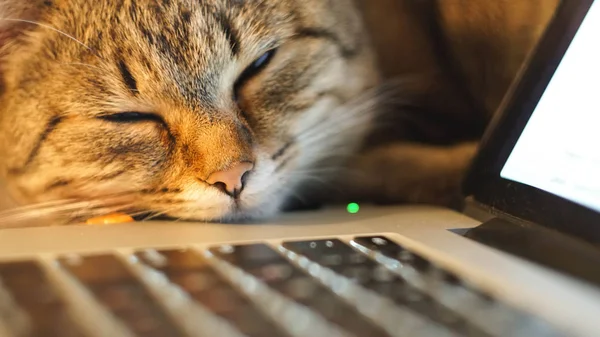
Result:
x=370 y=286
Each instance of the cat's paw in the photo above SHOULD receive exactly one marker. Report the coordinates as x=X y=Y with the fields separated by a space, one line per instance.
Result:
x=408 y=173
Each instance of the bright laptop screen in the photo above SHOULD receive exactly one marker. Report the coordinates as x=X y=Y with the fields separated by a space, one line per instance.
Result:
x=559 y=150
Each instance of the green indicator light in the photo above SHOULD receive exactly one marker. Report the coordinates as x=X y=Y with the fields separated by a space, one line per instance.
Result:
x=353 y=208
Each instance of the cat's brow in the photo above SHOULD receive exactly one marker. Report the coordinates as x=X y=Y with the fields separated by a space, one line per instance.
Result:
x=322 y=33
x=128 y=77
x=229 y=31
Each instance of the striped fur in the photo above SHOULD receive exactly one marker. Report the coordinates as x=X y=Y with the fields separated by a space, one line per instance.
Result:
x=182 y=61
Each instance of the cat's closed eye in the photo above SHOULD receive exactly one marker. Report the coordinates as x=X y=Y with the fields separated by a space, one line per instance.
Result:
x=262 y=61
x=253 y=69
x=130 y=117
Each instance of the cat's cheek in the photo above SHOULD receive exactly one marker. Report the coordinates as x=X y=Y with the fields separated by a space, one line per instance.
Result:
x=265 y=192
x=100 y=161
x=195 y=201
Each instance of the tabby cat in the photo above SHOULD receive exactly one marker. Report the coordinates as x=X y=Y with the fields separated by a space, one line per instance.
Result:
x=232 y=109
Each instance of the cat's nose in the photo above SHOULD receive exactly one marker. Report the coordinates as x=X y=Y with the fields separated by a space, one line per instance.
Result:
x=231 y=180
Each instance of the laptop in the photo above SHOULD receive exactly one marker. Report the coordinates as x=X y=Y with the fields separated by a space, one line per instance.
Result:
x=521 y=260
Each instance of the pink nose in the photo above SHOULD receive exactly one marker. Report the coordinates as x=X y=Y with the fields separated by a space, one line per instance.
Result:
x=230 y=180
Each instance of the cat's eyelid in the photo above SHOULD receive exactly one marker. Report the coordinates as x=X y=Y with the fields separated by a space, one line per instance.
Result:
x=262 y=49
x=130 y=117
x=264 y=59
x=259 y=63
x=113 y=113
x=254 y=69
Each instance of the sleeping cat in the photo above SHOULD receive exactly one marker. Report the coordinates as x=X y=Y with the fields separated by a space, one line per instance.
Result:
x=229 y=109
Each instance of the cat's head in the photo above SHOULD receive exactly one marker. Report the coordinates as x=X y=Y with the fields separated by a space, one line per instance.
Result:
x=204 y=110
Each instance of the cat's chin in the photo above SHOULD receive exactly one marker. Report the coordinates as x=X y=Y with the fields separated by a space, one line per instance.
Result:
x=231 y=214
x=237 y=217
x=250 y=215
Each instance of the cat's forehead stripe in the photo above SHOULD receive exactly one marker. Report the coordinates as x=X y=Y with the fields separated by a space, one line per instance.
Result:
x=128 y=77
x=230 y=32
x=51 y=125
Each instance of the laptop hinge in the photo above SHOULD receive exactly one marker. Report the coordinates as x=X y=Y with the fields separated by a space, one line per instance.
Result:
x=533 y=242
x=541 y=245
x=483 y=212
x=477 y=210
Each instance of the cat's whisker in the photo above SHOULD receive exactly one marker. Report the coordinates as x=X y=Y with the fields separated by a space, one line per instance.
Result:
x=155 y=214
x=137 y=213
x=65 y=210
x=319 y=170
x=317 y=137
x=327 y=130
x=334 y=150
x=82 y=65
x=51 y=203
x=84 y=214
x=343 y=121
x=347 y=112
x=47 y=27
x=344 y=118
x=294 y=193
x=166 y=210
x=45 y=210
x=333 y=172
x=55 y=217
x=312 y=178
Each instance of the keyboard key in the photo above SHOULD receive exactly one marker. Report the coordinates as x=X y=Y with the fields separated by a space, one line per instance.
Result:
x=252 y=323
x=300 y=289
x=399 y=291
x=420 y=263
x=185 y=268
x=117 y=298
x=306 y=290
x=451 y=278
x=221 y=299
x=99 y=269
x=358 y=273
x=195 y=281
x=189 y=270
x=28 y=285
x=380 y=244
x=248 y=256
x=533 y=326
x=277 y=272
x=428 y=307
x=273 y=273
x=261 y=261
x=354 y=265
x=345 y=316
x=328 y=253
x=393 y=250
x=116 y=287
x=407 y=295
x=170 y=261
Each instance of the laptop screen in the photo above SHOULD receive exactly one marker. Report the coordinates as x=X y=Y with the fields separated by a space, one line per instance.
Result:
x=558 y=151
